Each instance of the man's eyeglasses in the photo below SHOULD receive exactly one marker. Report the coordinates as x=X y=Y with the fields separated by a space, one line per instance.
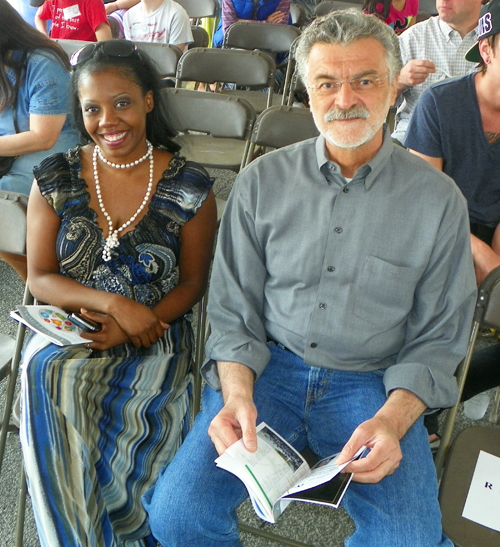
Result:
x=113 y=48
x=363 y=84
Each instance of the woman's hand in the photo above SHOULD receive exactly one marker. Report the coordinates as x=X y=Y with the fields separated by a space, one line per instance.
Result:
x=110 y=335
x=276 y=17
x=142 y=325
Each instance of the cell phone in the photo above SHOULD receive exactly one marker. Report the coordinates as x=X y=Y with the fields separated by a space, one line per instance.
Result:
x=85 y=324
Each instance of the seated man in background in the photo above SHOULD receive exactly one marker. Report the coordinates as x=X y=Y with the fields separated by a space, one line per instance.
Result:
x=74 y=20
x=456 y=128
x=340 y=304
x=434 y=50
x=162 y=21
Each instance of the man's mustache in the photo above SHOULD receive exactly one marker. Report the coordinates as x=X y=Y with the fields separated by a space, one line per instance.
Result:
x=341 y=114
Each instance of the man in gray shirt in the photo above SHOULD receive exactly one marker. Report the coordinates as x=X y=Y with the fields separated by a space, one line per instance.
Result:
x=340 y=304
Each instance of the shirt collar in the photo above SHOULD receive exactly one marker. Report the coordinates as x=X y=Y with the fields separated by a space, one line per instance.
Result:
x=369 y=171
x=447 y=30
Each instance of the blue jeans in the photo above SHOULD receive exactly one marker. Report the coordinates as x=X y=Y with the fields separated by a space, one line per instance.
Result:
x=194 y=502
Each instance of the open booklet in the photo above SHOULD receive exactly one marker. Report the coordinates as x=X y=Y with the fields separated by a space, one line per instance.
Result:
x=52 y=322
x=277 y=474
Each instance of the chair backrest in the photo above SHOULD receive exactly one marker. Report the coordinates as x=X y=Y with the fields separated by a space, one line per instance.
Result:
x=196 y=9
x=212 y=113
x=298 y=15
x=70 y=46
x=200 y=37
x=333 y=5
x=429 y=6
x=210 y=65
x=13 y=222
x=165 y=56
x=280 y=126
x=254 y=35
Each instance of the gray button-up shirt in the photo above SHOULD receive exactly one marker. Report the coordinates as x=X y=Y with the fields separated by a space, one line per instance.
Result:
x=375 y=273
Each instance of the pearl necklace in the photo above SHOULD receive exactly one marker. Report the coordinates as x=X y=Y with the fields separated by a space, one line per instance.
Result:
x=125 y=165
x=112 y=239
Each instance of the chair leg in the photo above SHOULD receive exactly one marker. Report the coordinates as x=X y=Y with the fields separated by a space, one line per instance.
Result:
x=452 y=412
x=493 y=416
x=199 y=354
x=272 y=537
x=21 y=509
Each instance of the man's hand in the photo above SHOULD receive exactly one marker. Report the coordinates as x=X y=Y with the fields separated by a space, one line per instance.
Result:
x=385 y=452
x=415 y=72
x=485 y=258
x=381 y=434
x=238 y=418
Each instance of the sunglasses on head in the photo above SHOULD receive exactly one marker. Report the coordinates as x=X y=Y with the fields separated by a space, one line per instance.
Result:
x=113 y=48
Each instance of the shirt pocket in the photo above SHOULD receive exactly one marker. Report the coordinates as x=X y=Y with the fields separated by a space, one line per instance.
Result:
x=385 y=292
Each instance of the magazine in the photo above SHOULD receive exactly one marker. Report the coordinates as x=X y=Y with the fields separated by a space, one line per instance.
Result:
x=276 y=474
x=51 y=322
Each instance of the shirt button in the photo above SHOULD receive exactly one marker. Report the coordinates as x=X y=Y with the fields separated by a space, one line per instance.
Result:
x=331 y=269
x=345 y=190
x=314 y=345
x=322 y=306
x=338 y=230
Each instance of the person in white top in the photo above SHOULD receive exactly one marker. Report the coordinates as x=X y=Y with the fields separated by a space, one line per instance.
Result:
x=162 y=21
x=434 y=50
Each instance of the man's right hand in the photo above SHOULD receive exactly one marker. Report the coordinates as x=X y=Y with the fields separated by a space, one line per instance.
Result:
x=238 y=418
x=415 y=72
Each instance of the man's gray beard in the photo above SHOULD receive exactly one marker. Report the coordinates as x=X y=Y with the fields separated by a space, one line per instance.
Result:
x=341 y=114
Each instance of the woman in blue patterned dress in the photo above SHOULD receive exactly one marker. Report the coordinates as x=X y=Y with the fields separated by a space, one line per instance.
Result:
x=121 y=230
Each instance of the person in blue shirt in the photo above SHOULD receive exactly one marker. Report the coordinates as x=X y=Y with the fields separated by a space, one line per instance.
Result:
x=41 y=104
x=266 y=11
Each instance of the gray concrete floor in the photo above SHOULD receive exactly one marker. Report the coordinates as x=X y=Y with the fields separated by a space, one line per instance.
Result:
x=315 y=525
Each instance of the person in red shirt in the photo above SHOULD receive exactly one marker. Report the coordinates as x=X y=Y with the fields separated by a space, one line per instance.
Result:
x=74 y=20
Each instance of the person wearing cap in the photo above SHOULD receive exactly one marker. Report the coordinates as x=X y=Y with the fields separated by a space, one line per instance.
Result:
x=434 y=50
x=456 y=128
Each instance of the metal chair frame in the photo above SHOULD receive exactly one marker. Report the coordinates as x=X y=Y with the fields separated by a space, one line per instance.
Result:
x=280 y=126
x=218 y=67
x=212 y=128
x=197 y=9
x=274 y=39
x=13 y=211
x=486 y=313
x=328 y=6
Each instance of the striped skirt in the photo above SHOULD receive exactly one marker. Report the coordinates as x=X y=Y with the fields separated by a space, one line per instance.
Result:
x=97 y=430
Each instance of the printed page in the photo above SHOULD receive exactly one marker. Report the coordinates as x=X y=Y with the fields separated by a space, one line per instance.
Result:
x=322 y=472
x=50 y=321
x=269 y=471
x=483 y=499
